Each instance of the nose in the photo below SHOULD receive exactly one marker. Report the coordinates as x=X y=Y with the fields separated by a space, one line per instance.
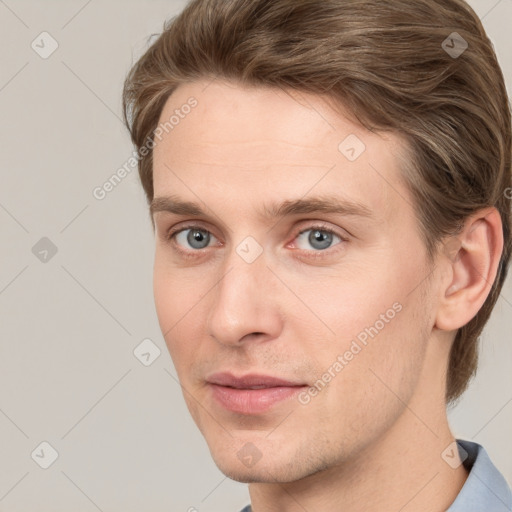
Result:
x=245 y=303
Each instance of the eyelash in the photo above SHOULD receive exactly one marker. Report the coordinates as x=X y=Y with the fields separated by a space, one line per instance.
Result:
x=170 y=236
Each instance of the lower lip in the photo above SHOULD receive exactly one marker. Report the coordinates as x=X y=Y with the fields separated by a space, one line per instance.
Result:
x=252 y=401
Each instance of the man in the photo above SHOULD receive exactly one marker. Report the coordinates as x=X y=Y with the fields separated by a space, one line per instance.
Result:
x=329 y=184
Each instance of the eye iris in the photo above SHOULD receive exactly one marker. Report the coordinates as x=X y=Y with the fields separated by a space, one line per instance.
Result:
x=197 y=236
x=322 y=238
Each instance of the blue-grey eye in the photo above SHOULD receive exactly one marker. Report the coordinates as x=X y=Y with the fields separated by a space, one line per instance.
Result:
x=196 y=238
x=319 y=239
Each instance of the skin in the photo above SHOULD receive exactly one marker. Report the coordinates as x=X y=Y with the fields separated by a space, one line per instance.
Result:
x=372 y=438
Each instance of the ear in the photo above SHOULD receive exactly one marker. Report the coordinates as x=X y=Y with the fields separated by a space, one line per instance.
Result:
x=470 y=262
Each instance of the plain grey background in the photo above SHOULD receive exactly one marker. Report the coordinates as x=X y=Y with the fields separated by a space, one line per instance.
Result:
x=76 y=282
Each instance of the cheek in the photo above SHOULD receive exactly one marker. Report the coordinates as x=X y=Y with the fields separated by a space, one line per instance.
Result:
x=377 y=328
x=367 y=395
x=176 y=303
x=164 y=294
x=355 y=301
x=176 y=290
x=384 y=351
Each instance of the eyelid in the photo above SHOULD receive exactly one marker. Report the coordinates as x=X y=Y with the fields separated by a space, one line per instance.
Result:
x=322 y=226
x=169 y=233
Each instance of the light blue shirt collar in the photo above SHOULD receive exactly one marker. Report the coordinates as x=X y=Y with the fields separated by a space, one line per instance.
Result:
x=485 y=488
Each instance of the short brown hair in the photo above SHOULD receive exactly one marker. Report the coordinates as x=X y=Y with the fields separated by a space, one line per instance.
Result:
x=387 y=63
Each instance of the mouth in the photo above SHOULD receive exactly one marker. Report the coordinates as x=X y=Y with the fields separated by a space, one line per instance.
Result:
x=252 y=393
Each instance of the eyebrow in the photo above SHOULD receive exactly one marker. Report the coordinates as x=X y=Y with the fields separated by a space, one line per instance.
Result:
x=322 y=204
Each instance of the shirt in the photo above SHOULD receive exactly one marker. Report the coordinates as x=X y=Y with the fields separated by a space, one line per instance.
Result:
x=485 y=489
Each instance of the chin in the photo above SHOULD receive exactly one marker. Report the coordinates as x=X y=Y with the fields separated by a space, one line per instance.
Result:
x=247 y=477
x=254 y=475
x=266 y=470
x=273 y=474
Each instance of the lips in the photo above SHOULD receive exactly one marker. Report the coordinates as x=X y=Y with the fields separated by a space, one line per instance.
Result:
x=251 y=394
x=250 y=381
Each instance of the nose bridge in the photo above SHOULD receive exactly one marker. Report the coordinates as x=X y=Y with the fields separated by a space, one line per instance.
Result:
x=246 y=267
x=243 y=303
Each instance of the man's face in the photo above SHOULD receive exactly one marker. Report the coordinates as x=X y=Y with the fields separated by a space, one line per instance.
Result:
x=336 y=302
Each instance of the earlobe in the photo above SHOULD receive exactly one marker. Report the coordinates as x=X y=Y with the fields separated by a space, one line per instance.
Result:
x=471 y=261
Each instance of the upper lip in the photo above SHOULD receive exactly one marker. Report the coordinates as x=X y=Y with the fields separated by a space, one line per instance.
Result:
x=249 y=381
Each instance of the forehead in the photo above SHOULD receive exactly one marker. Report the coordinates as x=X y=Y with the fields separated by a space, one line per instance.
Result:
x=251 y=143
